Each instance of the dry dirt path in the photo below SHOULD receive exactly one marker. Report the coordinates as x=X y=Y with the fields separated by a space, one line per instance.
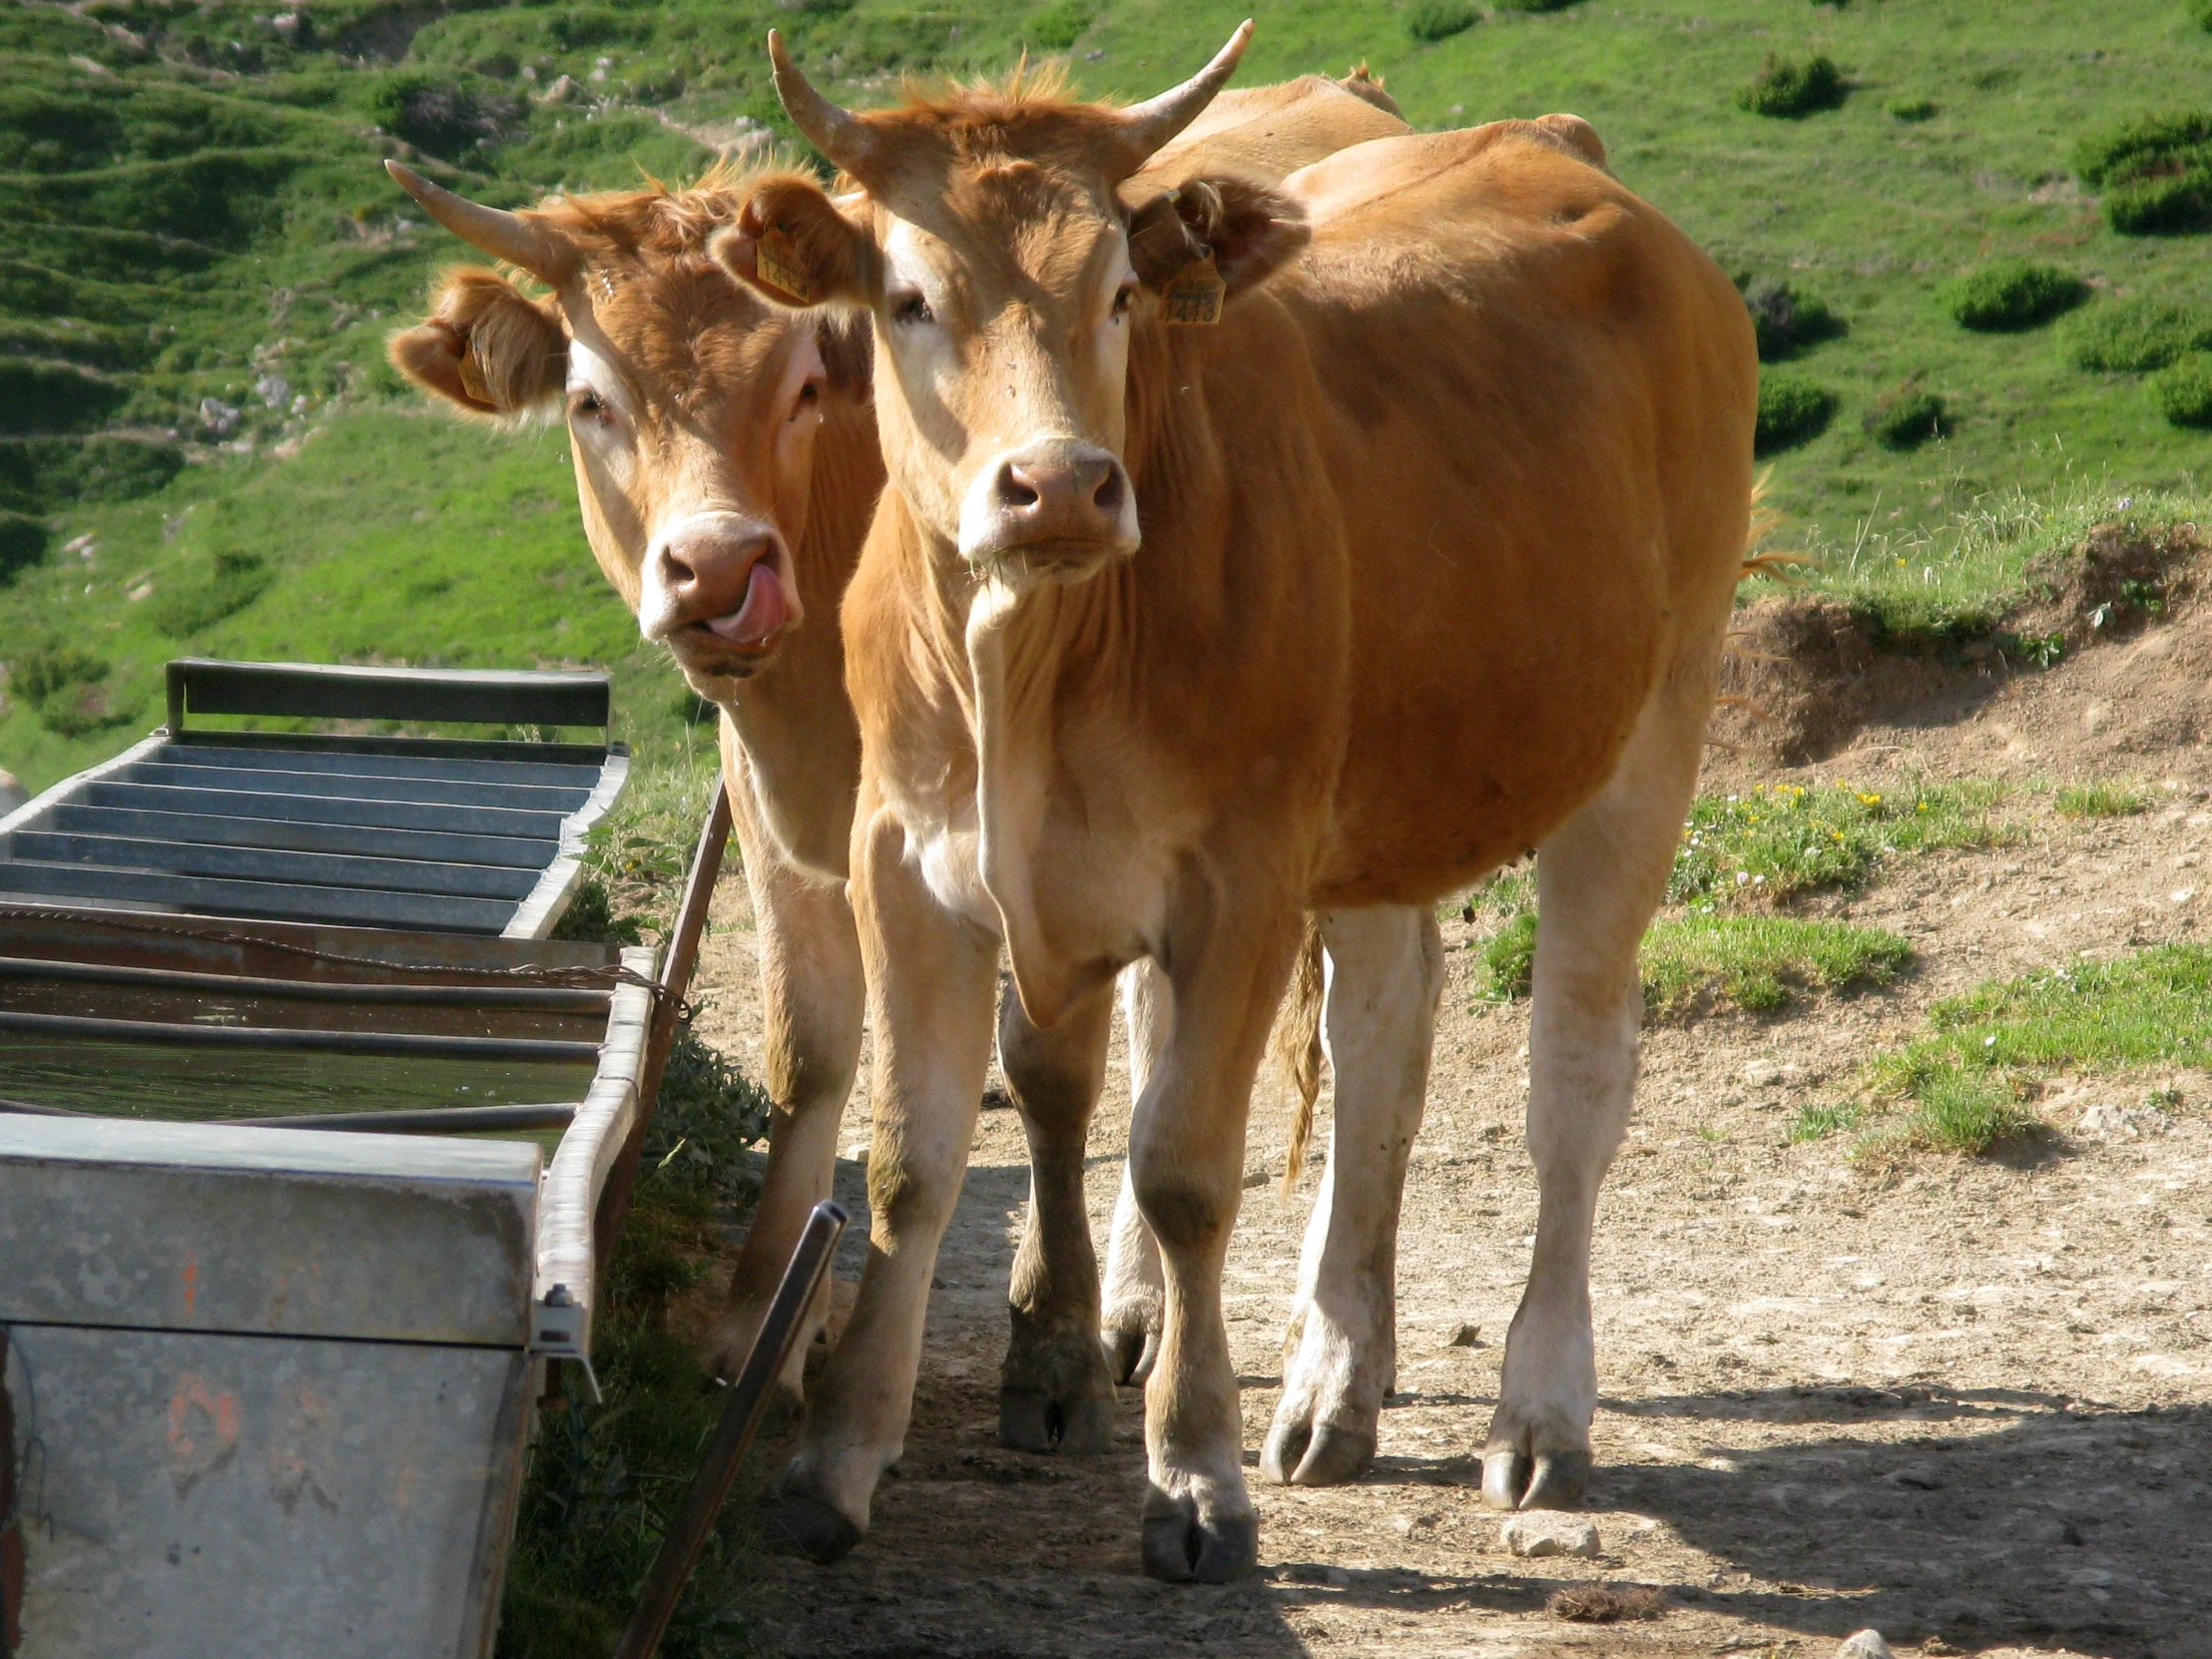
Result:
x=1963 y=1402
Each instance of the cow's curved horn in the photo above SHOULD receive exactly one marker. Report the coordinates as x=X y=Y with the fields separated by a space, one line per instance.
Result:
x=502 y=234
x=1147 y=126
x=836 y=132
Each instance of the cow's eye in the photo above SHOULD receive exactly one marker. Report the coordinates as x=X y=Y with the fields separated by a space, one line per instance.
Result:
x=1124 y=297
x=911 y=306
x=810 y=394
x=586 y=404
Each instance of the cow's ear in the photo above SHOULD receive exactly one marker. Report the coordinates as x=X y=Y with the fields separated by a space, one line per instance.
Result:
x=792 y=245
x=485 y=348
x=1250 y=232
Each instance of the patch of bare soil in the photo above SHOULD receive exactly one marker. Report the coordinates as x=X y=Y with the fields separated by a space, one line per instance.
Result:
x=1963 y=1402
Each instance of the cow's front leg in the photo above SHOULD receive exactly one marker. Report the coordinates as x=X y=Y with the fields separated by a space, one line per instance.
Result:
x=1054 y=1392
x=932 y=978
x=1385 y=968
x=1135 y=1292
x=810 y=1004
x=1599 y=877
x=1187 y=1155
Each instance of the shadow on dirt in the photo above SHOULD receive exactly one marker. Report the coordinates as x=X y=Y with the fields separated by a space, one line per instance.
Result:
x=2079 y=1527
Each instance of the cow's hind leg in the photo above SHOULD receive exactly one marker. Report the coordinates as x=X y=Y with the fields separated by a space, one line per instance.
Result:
x=1135 y=1289
x=811 y=1002
x=1600 y=878
x=1054 y=1392
x=1385 y=968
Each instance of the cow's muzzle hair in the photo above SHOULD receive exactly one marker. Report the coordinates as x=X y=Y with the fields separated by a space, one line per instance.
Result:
x=717 y=588
x=1055 y=507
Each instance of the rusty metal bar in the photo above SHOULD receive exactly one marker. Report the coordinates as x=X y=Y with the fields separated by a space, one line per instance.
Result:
x=741 y=1417
x=674 y=979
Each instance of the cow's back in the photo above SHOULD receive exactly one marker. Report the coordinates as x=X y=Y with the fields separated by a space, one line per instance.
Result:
x=1543 y=396
x=1269 y=132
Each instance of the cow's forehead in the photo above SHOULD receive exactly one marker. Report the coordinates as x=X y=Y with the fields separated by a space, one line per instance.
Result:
x=1013 y=223
x=679 y=329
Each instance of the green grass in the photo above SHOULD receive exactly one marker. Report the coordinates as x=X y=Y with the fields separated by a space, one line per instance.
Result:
x=1690 y=963
x=1964 y=1086
x=1778 y=841
x=2102 y=800
x=203 y=216
x=1817 y=1120
x=1762 y=964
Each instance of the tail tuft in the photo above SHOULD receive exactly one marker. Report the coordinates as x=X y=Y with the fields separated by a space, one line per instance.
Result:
x=1297 y=1045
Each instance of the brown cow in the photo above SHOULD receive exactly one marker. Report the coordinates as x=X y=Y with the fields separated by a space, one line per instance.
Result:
x=725 y=459
x=1421 y=556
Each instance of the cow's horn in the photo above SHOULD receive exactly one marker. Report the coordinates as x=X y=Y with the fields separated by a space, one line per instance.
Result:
x=502 y=234
x=836 y=133
x=1147 y=126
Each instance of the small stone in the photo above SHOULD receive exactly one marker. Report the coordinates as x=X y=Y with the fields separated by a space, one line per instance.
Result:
x=1547 y=1532
x=1867 y=1644
x=1465 y=1336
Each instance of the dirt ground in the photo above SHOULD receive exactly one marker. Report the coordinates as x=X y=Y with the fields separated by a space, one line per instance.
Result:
x=1962 y=1401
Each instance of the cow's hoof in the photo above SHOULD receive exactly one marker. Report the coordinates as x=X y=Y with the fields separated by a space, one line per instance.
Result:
x=1180 y=1548
x=1550 y=1480
x=1031 y=1420
x=1129 y=1355
x=1297 y=1454
x=800 y=1525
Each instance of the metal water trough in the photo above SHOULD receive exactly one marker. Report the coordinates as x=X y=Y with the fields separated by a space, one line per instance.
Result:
x=266 y=1390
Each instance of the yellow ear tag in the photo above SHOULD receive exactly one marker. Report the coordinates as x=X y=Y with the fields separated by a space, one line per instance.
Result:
x=777 y=260
x=1194 y=294
x=472 y=380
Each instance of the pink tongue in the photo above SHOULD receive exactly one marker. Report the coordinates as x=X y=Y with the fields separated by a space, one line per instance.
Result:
x=761 y=618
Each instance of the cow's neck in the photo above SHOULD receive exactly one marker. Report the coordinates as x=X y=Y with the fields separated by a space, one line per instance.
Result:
x=795 y=719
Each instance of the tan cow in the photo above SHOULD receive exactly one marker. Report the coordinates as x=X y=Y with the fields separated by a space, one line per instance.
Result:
x=1420 y=556
x=726 y=460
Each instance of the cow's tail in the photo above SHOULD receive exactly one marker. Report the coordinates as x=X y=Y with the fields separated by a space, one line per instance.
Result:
x=1296 y=1044
x=1765 y=521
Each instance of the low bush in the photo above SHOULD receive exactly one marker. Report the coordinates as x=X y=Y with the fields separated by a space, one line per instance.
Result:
x=442 y=114
x=2183 y=393
x=1912 y=109
x=1790 y=91
x=234 y=582
x=1059 y=26
x=1533 y=5
x=40 y=397
x=2200 y=13
x=2138 y=336
x=1792 y=410
x=2010 y=294
x=1440 y=19
x=1906 y=419
x=69 y=688
x=1784 y=320
x=23 y=542
x=2155 y=172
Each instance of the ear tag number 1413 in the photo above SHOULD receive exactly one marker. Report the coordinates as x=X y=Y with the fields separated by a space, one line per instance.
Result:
x=1194 y=294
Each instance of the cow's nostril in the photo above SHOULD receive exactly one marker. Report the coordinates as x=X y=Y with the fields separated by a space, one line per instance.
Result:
x=1107 y=497
x=1017 y=487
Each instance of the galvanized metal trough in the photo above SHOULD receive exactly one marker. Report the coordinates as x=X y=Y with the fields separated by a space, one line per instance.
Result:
x=267 y=1390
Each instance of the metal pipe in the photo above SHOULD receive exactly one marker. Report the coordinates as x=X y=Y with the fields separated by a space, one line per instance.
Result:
x=741 y=1417
x=435 y=1120
x=270 y=1037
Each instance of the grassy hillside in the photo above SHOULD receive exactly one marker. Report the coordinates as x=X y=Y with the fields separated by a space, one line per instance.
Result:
x=198 y=257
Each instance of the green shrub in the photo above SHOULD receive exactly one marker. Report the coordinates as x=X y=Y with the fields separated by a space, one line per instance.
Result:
x=1792 y=410
x=1906 y=419
x=1785 y=319
x=590 y=917
x=442 y=114
x=235 y=580
x=2009 y=295
x=1440 y=19
x=53 y=397
x=1789 y=89
x=2156 y=173
x=1057 y=27
x=23 y=542
x=2183 y=393
x=1912 y=109
x=68 y=687
x=2138 y=336
x=1531 y=5
x=2200 y=13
